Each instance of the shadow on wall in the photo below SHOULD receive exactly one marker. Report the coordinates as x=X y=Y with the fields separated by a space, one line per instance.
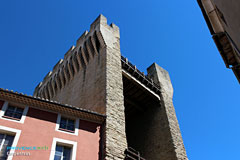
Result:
x=38 y=114
x=88 y=126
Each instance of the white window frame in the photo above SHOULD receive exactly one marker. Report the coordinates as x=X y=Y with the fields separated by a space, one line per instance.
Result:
x=76 y=124
x=4 y=108
x=66 y=143
x=11 y=131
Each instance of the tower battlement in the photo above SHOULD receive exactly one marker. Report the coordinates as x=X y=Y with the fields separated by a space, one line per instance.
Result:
x=139 y=114
x=76 y=58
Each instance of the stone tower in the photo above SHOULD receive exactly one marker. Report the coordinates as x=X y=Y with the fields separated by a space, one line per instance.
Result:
x=139 y=111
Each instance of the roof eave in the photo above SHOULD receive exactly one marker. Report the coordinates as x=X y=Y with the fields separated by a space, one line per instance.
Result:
x=51 y=106
x=225 y=52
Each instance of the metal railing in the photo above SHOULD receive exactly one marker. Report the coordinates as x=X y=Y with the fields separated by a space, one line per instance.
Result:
x=131 y=154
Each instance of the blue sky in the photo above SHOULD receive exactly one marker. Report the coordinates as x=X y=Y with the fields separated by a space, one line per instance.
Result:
x=34 y=35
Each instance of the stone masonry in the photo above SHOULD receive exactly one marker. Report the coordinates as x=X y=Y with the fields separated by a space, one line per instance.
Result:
x=91 y=77
x=167 y=120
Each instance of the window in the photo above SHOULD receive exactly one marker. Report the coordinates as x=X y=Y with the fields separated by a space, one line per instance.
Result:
x=67 y=124
x=5 y=142
x=8 y=137
x=63 y=149
x=62 y=153
x=14 y=112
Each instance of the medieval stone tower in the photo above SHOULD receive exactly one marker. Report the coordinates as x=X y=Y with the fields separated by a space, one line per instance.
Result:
x=139 y=110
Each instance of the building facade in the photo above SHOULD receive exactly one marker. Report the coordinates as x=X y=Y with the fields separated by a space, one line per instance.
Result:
x=131 y=111
x=222 y=18
x=35 y=128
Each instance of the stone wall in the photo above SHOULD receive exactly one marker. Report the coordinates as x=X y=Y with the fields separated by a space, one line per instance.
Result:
x=89 y=77
x=80 y=78
x=165 y=124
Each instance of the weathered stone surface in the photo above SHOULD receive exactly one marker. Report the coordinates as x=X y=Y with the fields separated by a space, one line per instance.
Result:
x=170 y=139
x=98 y=87
x=90 y=77
x=116 y=141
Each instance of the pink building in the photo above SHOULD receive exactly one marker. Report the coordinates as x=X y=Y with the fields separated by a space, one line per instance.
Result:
x=35 y=128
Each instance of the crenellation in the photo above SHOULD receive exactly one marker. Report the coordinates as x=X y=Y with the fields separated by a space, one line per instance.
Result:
x=68 y=53
x=94 y=45
x=72 y=65
x=63 y=77
x=85 y=52
x=52 y=83
x=99 y=41
x=49 y=85
x=75 y=63
x=115 y=30
x=101 y=20
x=47 y=76
x=82 y=38
x=75 y=59
x=43 y=92
x=40 y=84
x=37 y=88
x=51 y=88
x=66 y=73
x=55 y=68
x=55 y=86
x=70 y=70
x=59 y=80
x=78 y=61
x=82 y=57
x=48 y=90
x=88 y=48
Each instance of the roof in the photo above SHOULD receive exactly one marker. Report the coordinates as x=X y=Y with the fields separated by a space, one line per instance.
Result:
x=41 y=103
